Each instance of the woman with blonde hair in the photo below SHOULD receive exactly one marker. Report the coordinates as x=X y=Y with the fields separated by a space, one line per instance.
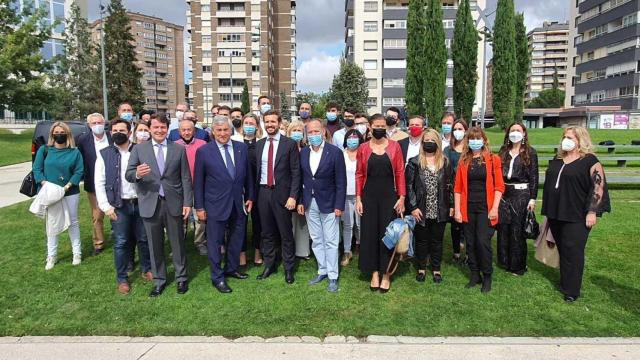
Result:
x=575 y=194
x=301 y=235
x=429 y=179
x=59 y=162
x=478 y=189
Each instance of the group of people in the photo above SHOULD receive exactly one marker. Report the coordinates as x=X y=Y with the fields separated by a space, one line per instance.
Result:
x=300 y=182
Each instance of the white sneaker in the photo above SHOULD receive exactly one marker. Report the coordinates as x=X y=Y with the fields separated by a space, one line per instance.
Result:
x=77 y=259
x=51 y=261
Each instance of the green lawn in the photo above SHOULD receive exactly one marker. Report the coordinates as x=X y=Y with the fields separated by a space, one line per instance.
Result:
x=84 y=301
x=15 y=148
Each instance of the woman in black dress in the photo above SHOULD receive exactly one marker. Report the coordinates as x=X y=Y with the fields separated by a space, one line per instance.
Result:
x=520 y=173
x=251 y=134
x=380 y=193
x=575 y=193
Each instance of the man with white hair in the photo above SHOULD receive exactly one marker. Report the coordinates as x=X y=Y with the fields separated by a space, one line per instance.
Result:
x=181 y=108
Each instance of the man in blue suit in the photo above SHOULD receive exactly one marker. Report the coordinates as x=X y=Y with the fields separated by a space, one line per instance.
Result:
x=324 y=186
x=223 y=195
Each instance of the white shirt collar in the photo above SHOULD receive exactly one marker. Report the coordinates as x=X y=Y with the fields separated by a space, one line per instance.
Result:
x=276 y=137
x=221 y=146
x=319 y=149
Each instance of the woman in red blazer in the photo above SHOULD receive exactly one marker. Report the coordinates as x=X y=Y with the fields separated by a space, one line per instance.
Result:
x=380 y=192
x=478 y=190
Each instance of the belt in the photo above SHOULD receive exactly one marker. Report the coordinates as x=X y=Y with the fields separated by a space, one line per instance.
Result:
x=522 y=186
x=130 y=201
x=271 y=187
x=160 y=197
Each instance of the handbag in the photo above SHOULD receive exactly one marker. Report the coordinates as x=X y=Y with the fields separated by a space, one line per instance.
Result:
x=545 y=253
x=29 y=186
x=531 y=227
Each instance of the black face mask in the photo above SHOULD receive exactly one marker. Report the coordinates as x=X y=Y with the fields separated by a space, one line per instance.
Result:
x=348 y=122
x=430 y=147
x=390 y=120
x=119 y=138
x=186 y=141
x=236 y=123
x=379 y=133
x=60 y=138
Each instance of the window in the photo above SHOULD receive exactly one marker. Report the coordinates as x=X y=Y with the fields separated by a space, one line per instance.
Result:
x=206 y=68
x=395 y=64
x=370 y=26
x=448 y=24
x=205 y=8
x=598 y=96
x=447 y=43
x=395 y=24
x=239 y=6
x=206 y=23
x=255 y=68
x=370 y=45
x=393 y=101
x=449 y=82
x=206 y=39
x=370 y=64
x=231 y=21
x=394 y=43
x=370 y=6
x=372 y=83
x=393 y=83
x=230 y=38
x=372 y=102
x=629 y=19
x=231 y=52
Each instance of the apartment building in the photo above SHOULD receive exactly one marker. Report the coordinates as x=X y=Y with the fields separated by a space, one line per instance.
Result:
x=549 y=47
x=236 y=42
x=604 y=53
x=376 y=40
x=159 y=48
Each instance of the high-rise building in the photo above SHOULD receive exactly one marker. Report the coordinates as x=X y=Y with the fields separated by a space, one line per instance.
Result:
x=604 y=53
x=376 y=40
x=234 y=42
x=548 y=46
x=159 y=48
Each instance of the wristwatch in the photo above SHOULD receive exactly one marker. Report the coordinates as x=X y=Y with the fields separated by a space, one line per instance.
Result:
x=67 y=187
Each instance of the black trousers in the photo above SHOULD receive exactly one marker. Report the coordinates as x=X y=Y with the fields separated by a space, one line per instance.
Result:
x=571 y=240
x=457 y=236
x=477 y=234
x=277 y=230
x=512 y=244
x=256 y=229
x=428 y=241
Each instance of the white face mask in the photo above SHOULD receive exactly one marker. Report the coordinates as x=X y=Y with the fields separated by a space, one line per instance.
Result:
x=568 y=144
x=515 y=136
x=179 y=115
x=458 y=134
x=98 y=129
x=362 y=129
x=142 y=135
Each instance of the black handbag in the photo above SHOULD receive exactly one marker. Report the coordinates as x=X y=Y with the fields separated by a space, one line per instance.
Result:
x=29 y=186
x=531 y=227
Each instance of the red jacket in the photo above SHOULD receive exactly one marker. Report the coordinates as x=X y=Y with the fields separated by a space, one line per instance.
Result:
x=397 y=162
x=494 y=183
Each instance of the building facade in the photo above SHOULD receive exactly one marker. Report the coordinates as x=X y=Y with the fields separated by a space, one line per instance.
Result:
x=604 y=53
x=236 y=42
x=159 y=48
x=376 y=40
x=548 y=46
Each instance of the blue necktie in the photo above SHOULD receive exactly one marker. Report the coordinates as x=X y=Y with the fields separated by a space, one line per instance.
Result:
x=230 y=167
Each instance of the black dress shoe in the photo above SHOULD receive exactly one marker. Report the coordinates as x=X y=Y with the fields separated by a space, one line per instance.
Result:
x=570 y=299
x=183 y=287
x=237 y=275
x=157 y=290
x=222 y=287
x=288 y=277
x=421 y=277
x=437 y=278
x=266 y=273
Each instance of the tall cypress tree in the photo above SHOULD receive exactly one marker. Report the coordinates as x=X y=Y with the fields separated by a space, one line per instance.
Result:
x=416 y=57
x=465 y=62
x=504 y=63
x=435 y=64
x=522 y=59
x=246 y=102
x=124 y=76
x=284 y=106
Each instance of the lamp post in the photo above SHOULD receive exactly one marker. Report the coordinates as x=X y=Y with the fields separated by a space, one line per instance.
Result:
x=104 y=69
x=487 y=33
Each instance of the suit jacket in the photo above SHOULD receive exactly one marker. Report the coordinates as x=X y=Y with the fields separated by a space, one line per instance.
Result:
x=214 y=189
x=286 y=168
x=404 y=145
x=175 y=180
x=87 y=148
x=329 y=184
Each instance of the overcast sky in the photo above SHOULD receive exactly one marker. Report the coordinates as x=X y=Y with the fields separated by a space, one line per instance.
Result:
x=320 y=29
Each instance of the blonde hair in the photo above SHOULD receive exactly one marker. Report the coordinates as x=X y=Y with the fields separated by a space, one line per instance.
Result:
x=258 y=134
x=474 y=133
x=295 y=125
x=431 y=134
x=585 y=146
x=70 y=142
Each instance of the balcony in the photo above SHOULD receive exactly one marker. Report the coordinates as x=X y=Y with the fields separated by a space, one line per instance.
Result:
x=231 y=14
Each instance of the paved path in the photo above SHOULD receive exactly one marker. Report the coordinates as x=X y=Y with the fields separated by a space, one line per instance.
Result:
x=10 y=179
x=309 y=348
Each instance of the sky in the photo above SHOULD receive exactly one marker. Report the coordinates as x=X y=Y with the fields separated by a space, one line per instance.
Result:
x=320 y=30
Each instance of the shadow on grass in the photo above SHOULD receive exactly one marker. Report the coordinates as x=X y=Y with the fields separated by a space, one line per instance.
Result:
x=626 y=297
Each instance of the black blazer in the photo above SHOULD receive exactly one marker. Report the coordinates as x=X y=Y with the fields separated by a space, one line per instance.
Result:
x=416 y=190
x=88 y=150
x=404 y=145
x=286 y=168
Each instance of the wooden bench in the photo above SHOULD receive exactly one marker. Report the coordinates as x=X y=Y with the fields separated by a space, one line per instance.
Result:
x=621 y=160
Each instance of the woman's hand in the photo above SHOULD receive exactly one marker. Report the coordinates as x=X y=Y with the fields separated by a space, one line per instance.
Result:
x=591 y=220
x=458 y=216
x=493 y=213
x=359 y=208
x=532 y=205
x=399 y=206
x=417 y=214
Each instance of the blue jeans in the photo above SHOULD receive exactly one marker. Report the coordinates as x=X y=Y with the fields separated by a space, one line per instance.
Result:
x=128 y=230
x=325 y=237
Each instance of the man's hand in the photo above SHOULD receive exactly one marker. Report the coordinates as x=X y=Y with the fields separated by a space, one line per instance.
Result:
x=248 y=205
x=186 y=210
x=142 y=170
x=301 y=209
x=338 y=212
x=202 y=216
x=291 y=204
x=111 y=213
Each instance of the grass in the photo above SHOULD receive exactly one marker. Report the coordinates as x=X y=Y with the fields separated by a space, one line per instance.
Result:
x=15 y=148
x=83 y=300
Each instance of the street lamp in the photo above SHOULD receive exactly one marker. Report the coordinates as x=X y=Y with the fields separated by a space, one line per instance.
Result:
x=104 y=69
x=487 y=32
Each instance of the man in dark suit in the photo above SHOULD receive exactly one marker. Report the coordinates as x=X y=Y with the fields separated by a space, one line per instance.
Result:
x=224 y=192
x=324 y=188
x=278 y=180
x=90 y=144
x=411 y=146
x=163 y=183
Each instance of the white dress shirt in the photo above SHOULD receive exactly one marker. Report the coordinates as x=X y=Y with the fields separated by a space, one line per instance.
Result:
x=315 y=157
x=265 y=158
x=338 y=138
x=100 y=144
x=223 y=152
x=413 y=150
x=128 y=190
x=446 y=142
x=164 y=149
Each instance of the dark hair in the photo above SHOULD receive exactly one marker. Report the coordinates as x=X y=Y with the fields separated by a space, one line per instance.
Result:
x=350 y=110
x=349 y=134
x=236 y=109
x=361 y=115
x=394 y=109
x=117 y=121
x=332 y=104
x=224 y=107
x=215 y=106
x=424 y=121
x=161 y=118
x=525 y=148
x=264 y=97
x=448 y=114
x=375 y=117
x=145 y=112
x=125 y=103
x=273 y=112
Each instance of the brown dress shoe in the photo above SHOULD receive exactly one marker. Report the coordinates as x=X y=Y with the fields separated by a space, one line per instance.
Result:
x=148 y=276
x=124 y=288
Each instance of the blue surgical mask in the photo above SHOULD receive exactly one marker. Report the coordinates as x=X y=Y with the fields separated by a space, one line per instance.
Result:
x=315 y=140
x=476 y=144
x=331 y=116
x=126 y=116
x=296 y=135
x=249 y=130
x=304 y=114
x=446 y=128
x=264 y=108
x=353 y=143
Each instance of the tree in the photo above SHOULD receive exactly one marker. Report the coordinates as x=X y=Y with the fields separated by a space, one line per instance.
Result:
x=246 y=101
x=522 y=60
x=284 y=106
x=435 y=64
x=465 y=62
x=416 y=57
x=23 y=70
x=550 y=98
x=124 y=76
x=504 y=63
x=349 y=87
